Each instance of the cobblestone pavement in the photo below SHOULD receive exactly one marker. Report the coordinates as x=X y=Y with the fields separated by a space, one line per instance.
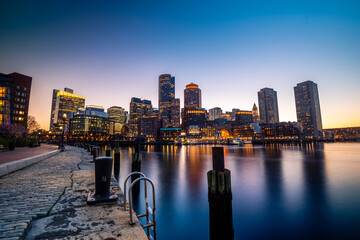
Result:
x=31 y=193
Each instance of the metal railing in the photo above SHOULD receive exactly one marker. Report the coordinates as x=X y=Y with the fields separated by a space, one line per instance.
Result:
x=125 y=181
x=149 y=211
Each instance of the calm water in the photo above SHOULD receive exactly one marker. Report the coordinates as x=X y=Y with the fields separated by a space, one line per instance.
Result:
x=279 y=192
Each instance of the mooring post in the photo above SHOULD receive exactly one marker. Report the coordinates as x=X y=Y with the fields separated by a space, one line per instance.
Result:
x=117 y=163
x=103 y=169
x=108 y=150
x=220 y=197
x=136 y=162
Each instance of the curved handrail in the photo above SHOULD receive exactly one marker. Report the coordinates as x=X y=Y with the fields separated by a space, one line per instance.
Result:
x=127 y=178
x=154 y=200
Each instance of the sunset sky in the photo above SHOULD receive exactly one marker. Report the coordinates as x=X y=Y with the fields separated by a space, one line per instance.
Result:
x=110 y=51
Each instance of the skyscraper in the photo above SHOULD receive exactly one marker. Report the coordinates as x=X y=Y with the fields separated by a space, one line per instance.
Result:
x=14 y=98
x=255 y=114
x=138 y=109
x=308 y=108
x=192 y=96
x=166 y=95
x=268 y=106
x=64 y=103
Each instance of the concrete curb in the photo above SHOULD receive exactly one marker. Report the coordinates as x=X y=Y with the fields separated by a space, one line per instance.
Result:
x=7 y=168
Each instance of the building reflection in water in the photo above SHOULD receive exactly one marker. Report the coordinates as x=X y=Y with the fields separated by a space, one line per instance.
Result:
x=279 y=191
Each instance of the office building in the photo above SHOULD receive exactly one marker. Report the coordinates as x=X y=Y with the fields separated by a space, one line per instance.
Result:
x=175 y=113
x=138 y=109
x=166 y=95
x=64 y=104
x=290 y=131
x=15 y=91
x=119 y=116
x=214 y=113
x=268 y=106
x=243 y=117
x=192 y=96
x=149 y=128
x=91 y=122
x=308 y=109
x=193 y=118
x=249 y=132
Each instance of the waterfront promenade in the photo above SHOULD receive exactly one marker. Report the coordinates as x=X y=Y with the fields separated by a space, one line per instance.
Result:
x=25 y=152
x=47 y=200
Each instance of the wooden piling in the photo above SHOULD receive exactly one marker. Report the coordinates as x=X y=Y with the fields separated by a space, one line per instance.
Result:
x=136 y=163
x=108 y=150
x=220 y=198
x=117 y=163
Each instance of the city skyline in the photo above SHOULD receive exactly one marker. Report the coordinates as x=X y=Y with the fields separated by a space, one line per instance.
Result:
x=110 y=53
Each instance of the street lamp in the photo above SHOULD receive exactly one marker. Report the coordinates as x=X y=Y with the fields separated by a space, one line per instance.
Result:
x=63 y=132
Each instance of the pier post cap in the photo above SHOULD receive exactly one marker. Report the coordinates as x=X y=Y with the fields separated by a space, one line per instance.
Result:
x=103 y=158
x=218 y=158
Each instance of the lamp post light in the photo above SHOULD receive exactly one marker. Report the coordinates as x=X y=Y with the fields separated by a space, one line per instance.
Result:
x=63 y=132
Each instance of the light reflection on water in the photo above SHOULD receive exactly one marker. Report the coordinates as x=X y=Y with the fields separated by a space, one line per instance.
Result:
x=308 y=191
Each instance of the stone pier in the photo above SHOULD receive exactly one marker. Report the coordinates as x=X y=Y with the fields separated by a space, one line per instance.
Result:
x=48 y=201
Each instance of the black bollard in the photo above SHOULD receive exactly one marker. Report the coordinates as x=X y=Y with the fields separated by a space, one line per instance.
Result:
x=220 y=197
x=136 y=163
x=117 y=163
x=103 y=169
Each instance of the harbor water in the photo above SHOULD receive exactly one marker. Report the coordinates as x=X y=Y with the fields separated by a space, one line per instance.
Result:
x=295 y=191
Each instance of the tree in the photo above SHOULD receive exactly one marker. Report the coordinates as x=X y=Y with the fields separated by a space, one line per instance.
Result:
x=32 y=124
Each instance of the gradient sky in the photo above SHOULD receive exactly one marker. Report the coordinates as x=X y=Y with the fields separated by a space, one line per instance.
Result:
x=110 y=51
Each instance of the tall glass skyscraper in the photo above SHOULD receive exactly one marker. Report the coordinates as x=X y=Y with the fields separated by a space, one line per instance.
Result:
x=169 y=107
x=268 y=106
x=308 y=109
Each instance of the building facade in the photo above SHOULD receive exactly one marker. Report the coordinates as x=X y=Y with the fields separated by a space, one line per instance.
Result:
x=138 y=109
x=149 y=128
x=192 y=96
x=15 y=91
x=214 y=113
x=255 y=114
x=308 y=109
x=243 y=117
x=166 y=95
x=91 y=122
x=290 y=131
x=268 y=106
x=119 y=116
x=175 y=113
x=64 y=104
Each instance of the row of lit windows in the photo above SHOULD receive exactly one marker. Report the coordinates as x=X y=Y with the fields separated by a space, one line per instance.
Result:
x=18 y=87
x=20 y=94
x=19 y=106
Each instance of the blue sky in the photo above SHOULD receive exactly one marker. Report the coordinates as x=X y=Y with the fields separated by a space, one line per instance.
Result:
x=110 y=51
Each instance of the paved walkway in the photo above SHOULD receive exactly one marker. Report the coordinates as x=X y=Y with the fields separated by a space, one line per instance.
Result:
x=47 y=200
x=21 y=153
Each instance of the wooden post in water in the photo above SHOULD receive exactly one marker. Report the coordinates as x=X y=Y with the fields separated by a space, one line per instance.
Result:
x=117 y=163
x=220 y=197
x=108 y=150
x=136 y=163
